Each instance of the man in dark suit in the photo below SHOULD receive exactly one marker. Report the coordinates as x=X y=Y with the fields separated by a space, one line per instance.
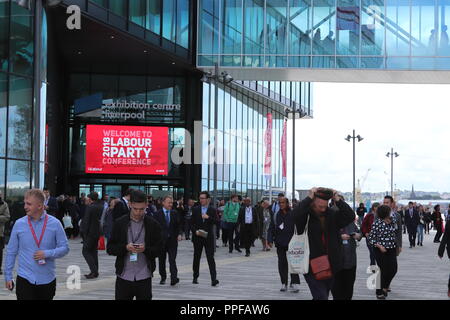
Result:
x=203 y=219
x=412 y=220
x=170 y=223
x=50 y=203
x=122 y=208
x=136 y=241
x=248 y=223
x=90 y=230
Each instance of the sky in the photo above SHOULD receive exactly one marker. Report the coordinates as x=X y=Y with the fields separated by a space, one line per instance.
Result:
x=412 y=119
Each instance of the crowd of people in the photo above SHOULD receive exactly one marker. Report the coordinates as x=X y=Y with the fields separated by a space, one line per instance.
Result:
x=140 y=229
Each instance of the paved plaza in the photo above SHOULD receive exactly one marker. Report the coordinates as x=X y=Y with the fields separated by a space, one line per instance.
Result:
x=421 y=275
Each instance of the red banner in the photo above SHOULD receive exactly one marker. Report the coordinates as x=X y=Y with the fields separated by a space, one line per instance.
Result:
x=268 y=143
x=127 y=149
x=283 y=151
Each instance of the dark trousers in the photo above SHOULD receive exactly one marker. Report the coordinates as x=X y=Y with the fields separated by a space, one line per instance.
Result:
x=371 y=253
x=233 y=236
x=27 y=291
x=320 y=289
x=387 y=262
x=208 y=244
x=224 y=234
x=343 y=284
x=170 y=248
x=283 y=267
x=127 y=290
x=427 y=227
x=438 y=235
x=90 y=254
x=2 y=245
x=187 y=228
x=246 y=236
x=412 y=233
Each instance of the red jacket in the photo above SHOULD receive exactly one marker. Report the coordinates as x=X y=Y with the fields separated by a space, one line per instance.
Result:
x=367 y=223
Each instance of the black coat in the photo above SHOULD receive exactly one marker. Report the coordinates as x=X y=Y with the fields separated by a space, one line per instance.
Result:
x=412 y=223
x=207 y=225
x=281 y=237
x=241 y=221
x=90 y=225
x=171 y=232
x=119 y=239
x=52 y=206
x=120 y=209
x=445 y=242
x=334 y=221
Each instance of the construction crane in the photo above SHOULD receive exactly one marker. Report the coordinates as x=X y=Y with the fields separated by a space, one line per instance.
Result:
x=360 y=186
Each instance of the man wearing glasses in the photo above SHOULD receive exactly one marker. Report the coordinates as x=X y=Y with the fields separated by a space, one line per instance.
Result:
x=203 y=219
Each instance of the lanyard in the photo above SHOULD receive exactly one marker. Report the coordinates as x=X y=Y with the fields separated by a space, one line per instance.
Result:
x=133 y=240
x=38 y=243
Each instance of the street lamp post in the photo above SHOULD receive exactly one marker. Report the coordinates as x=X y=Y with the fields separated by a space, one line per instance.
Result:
x=359 y=140
x=392 y=154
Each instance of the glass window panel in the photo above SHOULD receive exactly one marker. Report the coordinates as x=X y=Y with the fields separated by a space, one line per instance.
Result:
x=444 y=14
x=3 y=109
x=209 y=29
x=118 y=7
x=398 y=36
x=205 y=152
x=220 y=109
x=205 y=104
x=347 y=62
x=300 y=27
x=372 y=63
x=153 y=21
x=2 y=177
x=21 y=40
x=169 y=19
x=253 y=31
x=347 y=27
x=232 y=26
x=212 y=106
x=397 y=63
x=323 y=61
x=133 y=88
x=372 y=27
x=182 y=36
x=17 y=179
x=102 y=3
x=276 y=26
x=324 y=25
x=422 y=63
x=227 y=110
x=424 y=34
x=4 y=27
x=233 y=113
x=20 y=119
x=137 y=11
x=442 y=63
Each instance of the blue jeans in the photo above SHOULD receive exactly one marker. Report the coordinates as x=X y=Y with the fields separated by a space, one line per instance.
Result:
x=371 y=253
x=420 y=229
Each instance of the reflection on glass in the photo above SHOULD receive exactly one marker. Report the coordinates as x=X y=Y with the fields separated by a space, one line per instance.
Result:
x=397 y=25
x=153 y=21
x=2 y=177
x=372 y=28
x=4 y=23
x=231 y=26
x=21 y=40
x=253 y=31
x=17 y=179
x=3 y=109
x=137 y=12
x=19 y=119
x=182 y=32
x=169 y=19
x=119 y=7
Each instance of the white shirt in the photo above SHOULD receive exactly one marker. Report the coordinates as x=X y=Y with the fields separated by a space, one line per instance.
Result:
x=126 y=201
x=248 y=215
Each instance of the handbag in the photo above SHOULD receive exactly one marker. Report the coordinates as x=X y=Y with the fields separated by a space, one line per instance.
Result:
x=298 y=251
x=67 y=221
x=101 y=243
x=321 y=268
x=202 y=233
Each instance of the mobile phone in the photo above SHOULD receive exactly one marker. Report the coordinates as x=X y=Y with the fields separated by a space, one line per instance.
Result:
x=136 y=245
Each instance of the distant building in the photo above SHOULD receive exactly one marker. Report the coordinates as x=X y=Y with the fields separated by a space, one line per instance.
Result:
x=412 y=195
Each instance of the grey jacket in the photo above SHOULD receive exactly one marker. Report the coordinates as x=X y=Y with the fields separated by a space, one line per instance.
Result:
x=4 y=217
x=398 y=234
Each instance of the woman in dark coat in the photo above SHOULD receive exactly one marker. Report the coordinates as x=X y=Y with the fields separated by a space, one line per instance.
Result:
x=445 y=243
x=438 y=223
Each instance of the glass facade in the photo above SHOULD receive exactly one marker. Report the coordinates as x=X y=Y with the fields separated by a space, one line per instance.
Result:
x=327 y=34
x=242 y=111
x=168 y=18
x=17 y=107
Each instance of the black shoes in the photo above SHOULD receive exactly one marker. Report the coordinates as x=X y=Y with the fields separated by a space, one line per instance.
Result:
x=174 y=281
x=195 y=281
x=247 y=254
x=238 y=250
x=215 y=283
x=91 y=275
x=163 y=281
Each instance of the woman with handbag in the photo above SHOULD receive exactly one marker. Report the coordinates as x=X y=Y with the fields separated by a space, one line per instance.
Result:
x=420 y=226
x=325 y=243
x=280 y=231
x=382 y=237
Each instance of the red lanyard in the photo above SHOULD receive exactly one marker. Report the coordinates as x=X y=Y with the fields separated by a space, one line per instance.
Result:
x=38 y=243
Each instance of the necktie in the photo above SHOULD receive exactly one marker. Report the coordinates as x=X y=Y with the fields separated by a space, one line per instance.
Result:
x=167 y=217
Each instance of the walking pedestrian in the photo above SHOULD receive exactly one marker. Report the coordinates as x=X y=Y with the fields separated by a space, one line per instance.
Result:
x=222 y=224
x=136 y=240
x=90 y=230
x=170 y=222
x=438 y=223
x=366 y=228
x=264 y=219
x=383 y=238
x=344 y=280
x=108 y=219
x=230 y=216
x=361 y=211
x=427 y=219
x=421 y=226
x=248 y=225
x=325 y=243
x=203 y=220
x=122 y=208
x=412 y=221
x=280 y=232
x=276 y=204
x=445 y=243
x=4 y=219
x=188 y=216
x=50 y=203
x=38 y=239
